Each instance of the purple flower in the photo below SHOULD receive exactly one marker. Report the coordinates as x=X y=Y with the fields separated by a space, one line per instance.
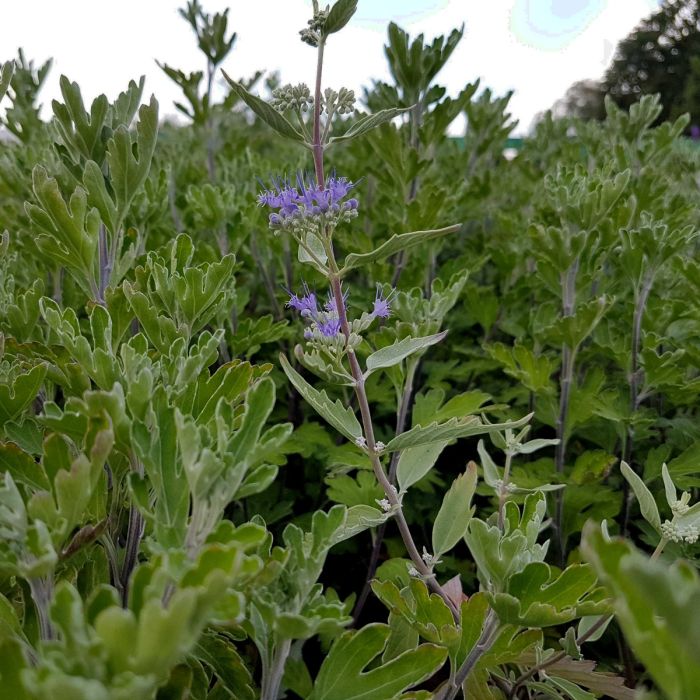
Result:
x=306 y=305
x=308 y=201
x=381 y=308
x=326 y=321
x=330 y=327
x=331 y=307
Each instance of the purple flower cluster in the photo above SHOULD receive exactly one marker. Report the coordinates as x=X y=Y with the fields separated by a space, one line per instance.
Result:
x=326 y=321
x=307 y=202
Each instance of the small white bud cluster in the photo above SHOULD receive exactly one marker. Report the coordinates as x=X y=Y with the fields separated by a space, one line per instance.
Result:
x=312 y=34
x=361 y=442
x=379 y=447
x=384 y=504
x=509 y=488
x=681 y=506
x=430 y=559
x=412 y=571
x=679 y=533
x=292 y=97
x=342 y=102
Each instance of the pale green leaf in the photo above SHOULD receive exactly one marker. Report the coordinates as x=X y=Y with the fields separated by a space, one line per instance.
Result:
x=267 y=113
x=455 y=512
x=398 y=242
x=342 y=418
x=5 y=77
x=647 y=504
x=367 y=122
x=339 y=16
x=450 y=430
x=343 y=676
x=400 y=350
x=416 y=462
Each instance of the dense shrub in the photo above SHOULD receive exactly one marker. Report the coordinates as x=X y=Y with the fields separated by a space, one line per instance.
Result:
x=307 y=399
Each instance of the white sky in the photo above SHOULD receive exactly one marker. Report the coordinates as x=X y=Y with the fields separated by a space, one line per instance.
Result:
x=536 y=47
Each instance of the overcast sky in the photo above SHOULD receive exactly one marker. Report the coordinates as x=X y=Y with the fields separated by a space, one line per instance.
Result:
x=535 y=47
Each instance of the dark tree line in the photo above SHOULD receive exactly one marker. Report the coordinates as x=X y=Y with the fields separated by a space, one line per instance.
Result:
x=661 y=55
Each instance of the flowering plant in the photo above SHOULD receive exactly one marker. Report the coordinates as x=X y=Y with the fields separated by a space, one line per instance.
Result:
x=297 y=454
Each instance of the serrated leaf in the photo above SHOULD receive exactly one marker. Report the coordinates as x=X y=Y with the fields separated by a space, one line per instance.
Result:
x=342 y=418
x=267 y=113
x=128 y=172
x=16 y=397
x=343 y=677
x=400 y=350
x=398 y=242
x=455 y=512
x=539 y=597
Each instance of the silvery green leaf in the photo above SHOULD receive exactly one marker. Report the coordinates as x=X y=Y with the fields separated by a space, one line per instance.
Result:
x=343 y=674
x=455 y=512
x=314 y=245
x=267 y=113
x=340 y=417
x=398 y=242
x=491 y=473
x=691 y=518
x=5 y=77
x=544 y=488
x=647 y=504
x=400 y=350
x=450 y=430
x=585 y=623
x=534 y=445
x=367 y=122
x=360 y=518
x=339 y=16
x=416 y=462
x=669 y=486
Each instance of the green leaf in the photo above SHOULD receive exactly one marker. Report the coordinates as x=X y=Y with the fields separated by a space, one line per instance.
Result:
x=217 y=652
x=339 y=16
x=400 y=350
x=360 y=518
x=67 y=231
x=426 y=612
x=367 y=122
x=416 y=462
x=451 y=430
x=22 y=467
x=398 y=242
x=16 y=397
x=455 y=512
x=342 y=675
x=492 y=474
x=13 y=663
x=539 y=597
x=655 y=604
x=127 y=172
x=342 y=418
x=647 y=504
x=267 y=113
x=5 y=77
x=669 y=486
